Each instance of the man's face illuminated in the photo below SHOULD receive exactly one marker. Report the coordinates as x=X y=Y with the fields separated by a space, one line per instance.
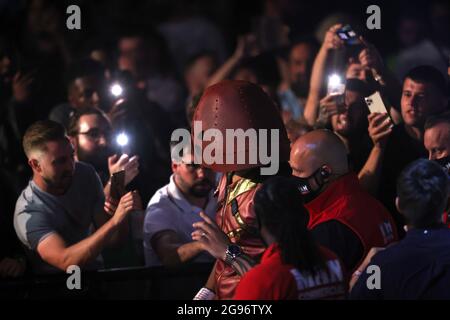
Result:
x=437 y=141
x=300 y=62
x=419 y=101
x=56 y=164
x=93 y=140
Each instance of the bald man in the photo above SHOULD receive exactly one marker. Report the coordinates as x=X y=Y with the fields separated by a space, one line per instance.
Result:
x=437 y=142
x=437 y=137
x=343 y=217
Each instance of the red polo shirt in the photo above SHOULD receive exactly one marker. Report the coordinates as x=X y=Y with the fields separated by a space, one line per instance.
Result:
x=274 y=280
x=344 y=200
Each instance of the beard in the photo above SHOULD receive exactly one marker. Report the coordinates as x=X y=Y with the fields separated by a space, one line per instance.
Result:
x=201 y=189
x=97 y=158
x=61 y=183
x=300 y=87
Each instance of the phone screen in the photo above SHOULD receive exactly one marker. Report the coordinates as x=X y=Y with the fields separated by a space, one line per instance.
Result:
x=348 y=35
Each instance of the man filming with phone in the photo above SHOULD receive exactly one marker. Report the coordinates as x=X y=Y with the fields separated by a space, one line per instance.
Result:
x=364 y=63
x=424 y=95
x=64 y=203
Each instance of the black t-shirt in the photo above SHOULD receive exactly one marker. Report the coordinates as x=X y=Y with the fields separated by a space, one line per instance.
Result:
x=341 y=240
x=416 y=268
x=360 y=147
x=401 y=150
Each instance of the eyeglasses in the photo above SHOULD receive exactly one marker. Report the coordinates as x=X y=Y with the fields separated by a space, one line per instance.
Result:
x=96 y=134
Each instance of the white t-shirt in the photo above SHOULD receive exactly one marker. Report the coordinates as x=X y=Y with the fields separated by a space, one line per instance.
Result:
x=169 y=210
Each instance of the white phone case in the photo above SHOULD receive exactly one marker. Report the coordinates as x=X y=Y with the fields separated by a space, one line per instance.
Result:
x=375 y=103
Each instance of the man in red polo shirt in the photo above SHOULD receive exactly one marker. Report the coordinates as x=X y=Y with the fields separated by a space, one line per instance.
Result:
x=343 y=217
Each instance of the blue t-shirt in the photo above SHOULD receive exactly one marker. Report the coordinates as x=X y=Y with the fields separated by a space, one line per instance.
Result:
x=418 y=267
x=39 y=214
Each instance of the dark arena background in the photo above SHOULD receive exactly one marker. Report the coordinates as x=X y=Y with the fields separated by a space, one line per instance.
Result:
x=100 y=198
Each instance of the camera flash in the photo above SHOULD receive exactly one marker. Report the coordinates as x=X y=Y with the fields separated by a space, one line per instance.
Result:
x=116 y=90
x=334 y=81
x=122 y=139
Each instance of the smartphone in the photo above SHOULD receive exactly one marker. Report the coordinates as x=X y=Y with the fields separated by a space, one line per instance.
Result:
x=335 y=85
x=376 y=105
x=348 y=35
x=117 y=185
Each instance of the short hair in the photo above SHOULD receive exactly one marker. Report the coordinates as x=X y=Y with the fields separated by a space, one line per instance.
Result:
x=437 y=119
x=429 y=74
x=305 y=39
x=84 y=68
x=76 y=116
x=422 y=191
x=192 y=59
x=41 y=132
x=359 y=86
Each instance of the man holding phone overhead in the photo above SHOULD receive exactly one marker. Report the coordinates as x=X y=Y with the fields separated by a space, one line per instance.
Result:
x=64 y=203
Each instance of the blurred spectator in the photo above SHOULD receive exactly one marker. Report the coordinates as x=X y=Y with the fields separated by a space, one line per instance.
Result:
x=291 y=264
x=418 y=266
x=262 y=70
x=149 y=130
x=145 y=56
x=330 y=42
x=85 y=86
x=296 y=129
x=349 y=120
x=56 y=214
x=172 y=211
x=45 y=51
x=424 y=95
x=16 y=110
x=342 y=214
x=187 y=34
x=440 y=24
x=417 y=47
x=197 y=73
x=294 y=91
x=12 y=258
x=365 y=64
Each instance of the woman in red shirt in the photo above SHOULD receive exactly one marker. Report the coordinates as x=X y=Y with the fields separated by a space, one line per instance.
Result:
x=293 y=266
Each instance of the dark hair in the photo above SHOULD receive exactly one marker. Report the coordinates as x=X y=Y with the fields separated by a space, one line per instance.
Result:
x=264 y=66
x=359 y=86
x=437 y=119
x=76 y=116
x=152 y=40
x=422 y=190
x=429 y=74
x=192 y=59
x=308 y=40
x=84 y=68
x=41 y=132
x=279 y=208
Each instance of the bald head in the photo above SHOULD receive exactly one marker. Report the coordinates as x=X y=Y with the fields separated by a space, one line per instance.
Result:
x=317 y=149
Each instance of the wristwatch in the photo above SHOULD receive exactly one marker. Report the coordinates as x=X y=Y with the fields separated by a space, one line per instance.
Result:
x=233 y=251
